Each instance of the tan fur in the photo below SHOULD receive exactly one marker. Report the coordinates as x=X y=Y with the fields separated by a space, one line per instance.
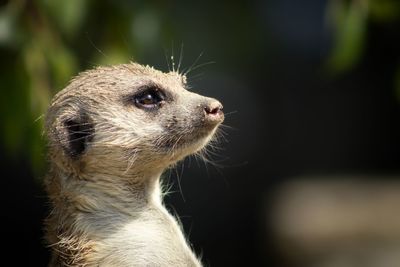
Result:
x=105 y=194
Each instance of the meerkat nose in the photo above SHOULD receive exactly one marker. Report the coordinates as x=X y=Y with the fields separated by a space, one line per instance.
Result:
x=213 y=111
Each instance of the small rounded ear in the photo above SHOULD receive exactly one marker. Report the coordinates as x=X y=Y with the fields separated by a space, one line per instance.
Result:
x=74 y=134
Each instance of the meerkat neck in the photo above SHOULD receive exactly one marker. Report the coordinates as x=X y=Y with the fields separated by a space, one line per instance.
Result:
x=104 y=192
x=89 y=208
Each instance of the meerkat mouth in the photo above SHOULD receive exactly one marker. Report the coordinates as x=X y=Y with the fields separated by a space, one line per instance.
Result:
x=191 y=141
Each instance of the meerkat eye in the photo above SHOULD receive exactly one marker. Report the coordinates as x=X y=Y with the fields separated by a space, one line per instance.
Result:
x=150 y=98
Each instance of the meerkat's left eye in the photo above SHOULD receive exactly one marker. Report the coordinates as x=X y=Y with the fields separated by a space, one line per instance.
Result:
x=150 y=98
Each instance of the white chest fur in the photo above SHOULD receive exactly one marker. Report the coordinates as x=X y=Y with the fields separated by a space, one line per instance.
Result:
x=153 y=238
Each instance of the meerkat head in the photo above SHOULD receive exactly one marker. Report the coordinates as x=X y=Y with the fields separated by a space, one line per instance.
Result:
x=113 y=119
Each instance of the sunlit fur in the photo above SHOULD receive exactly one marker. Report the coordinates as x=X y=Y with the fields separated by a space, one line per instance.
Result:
x=106 y=197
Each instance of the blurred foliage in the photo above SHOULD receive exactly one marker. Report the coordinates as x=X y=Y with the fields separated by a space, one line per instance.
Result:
x=43 y=43
x=349 y=22
x=350 y=19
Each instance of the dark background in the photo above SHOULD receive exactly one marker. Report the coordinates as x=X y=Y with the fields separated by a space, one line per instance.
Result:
x=309 y=88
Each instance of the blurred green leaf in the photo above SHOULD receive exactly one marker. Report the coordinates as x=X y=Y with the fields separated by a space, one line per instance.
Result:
x=7 y=21
x=68 y=15
x=350 y=22
x=9 y=15
x=384 y=10
x=63 y=66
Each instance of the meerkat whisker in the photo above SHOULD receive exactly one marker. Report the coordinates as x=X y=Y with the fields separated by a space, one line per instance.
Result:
x=185 y=72
x=230 y=113
x=180 y=59
x=199 y=66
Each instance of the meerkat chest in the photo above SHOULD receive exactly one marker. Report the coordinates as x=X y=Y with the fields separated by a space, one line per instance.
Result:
x=152 y=240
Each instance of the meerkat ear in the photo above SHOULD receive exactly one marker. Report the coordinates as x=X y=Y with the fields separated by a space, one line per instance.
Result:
x=77 y=132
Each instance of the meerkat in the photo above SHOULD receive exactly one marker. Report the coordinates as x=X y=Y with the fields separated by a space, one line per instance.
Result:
x=111 y=133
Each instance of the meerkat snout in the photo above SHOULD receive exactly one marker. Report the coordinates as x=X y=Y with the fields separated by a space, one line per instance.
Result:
x=213 y=111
